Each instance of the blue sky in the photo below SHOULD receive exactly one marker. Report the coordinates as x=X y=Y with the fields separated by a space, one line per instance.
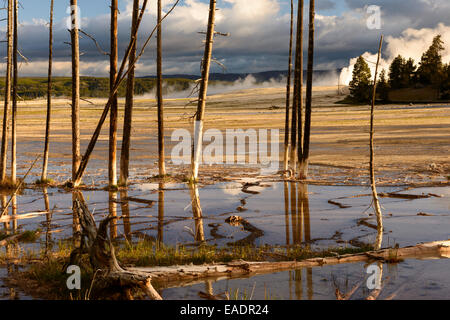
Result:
x=259 y=33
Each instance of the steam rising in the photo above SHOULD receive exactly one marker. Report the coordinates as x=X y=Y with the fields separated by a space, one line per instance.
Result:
x=411 y=44
x=325 y=79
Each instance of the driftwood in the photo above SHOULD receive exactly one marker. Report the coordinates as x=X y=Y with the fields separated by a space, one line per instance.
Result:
x=177 y=275
x=96 y=243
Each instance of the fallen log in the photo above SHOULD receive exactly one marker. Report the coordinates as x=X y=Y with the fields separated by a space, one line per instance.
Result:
x=169 y=276
x=149 y=203
x=407 y=196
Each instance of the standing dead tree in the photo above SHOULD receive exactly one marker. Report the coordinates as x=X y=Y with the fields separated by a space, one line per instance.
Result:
x=128 y=117
x=288 y=93
x=196 y=151
x=112 y=164
x=376 y=201
x=14 y=95
x=297 y=105
x=161 y=161
x=74 y=34
x=5 y=129
x=49 y=97
x=304 y=154
x=121 y=75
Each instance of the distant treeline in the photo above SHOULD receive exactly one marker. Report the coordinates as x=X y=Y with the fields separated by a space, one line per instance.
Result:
x=90 y=87
x=406 y=81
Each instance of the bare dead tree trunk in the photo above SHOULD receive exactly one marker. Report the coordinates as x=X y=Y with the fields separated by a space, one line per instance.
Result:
x=288 y=93
x=5 y=129
x=304 y=159
x=161 y=162
x=121 y=75
x=76 y=154
x=114 y=57
x=298 y=89
x=206 y=64
x=199 y=233
x=14 y=96
x=376 y=201
x=128 y=118
x=49 y=97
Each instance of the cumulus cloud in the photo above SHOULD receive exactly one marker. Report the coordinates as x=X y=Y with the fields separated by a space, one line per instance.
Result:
x=412 y=43
x=259 y=35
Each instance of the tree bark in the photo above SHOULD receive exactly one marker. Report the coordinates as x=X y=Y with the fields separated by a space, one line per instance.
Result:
x=49 y=97
x=304 y=156
x=298 y=89
x=14 y=96
x=5 y=129
x=206 y=64
x=76 y=154
x=128 y=118
x=288 y=93
x=161 y=162
x=112 y=164
x=376 y=201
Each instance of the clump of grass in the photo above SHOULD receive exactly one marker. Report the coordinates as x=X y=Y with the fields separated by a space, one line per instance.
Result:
x=44 y=182
x=29 y=236
x=7 y=184
x=68 y=185
x=3 y=235
x=51 y=275
x=112 y=188
x=148 y=253
x=236 y=294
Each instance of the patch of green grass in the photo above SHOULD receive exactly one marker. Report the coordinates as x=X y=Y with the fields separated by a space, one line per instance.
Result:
x=147 y=253
x=29 y=236
x=44 y=181
x=7 y=184
x=51 y=274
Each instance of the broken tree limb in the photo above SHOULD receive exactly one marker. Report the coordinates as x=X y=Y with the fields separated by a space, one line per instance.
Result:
x=177 y=275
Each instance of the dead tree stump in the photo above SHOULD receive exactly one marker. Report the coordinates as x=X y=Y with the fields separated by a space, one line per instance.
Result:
x=97 y=244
